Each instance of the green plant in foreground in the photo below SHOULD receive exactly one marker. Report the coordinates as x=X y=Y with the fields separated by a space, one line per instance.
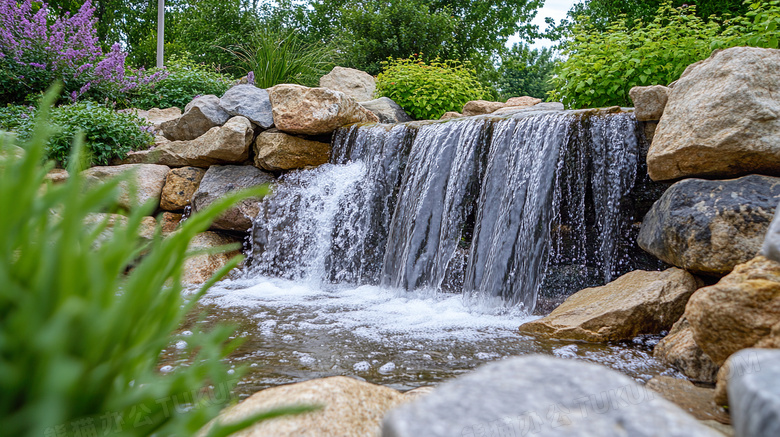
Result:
x=282 y=56
x=426 y=90
x=80 y=338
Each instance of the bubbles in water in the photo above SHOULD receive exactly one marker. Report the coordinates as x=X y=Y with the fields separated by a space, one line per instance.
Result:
x=362 y=366
x=569 y=351
x=387 y=368
x=181 y=344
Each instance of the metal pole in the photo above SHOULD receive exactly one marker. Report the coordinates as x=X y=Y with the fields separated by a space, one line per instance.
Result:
x=160 y=31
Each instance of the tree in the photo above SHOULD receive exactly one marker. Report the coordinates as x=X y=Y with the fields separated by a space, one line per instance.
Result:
x=526 y=72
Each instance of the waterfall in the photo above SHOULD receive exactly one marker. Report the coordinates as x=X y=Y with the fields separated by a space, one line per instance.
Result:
x=496 y=208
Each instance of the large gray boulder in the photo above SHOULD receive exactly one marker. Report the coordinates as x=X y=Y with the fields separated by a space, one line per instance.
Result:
x=545 y=397
x=387 y=110
x=754 y=393
x=300 y=110
x=200 y=115
x=222 y=179
x=722 y=118
x=709 y=227
x=251 y=102
x=227 y=144
x=355 y=83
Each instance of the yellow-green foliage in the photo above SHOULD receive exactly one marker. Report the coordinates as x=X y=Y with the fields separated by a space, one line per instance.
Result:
x=426 y=90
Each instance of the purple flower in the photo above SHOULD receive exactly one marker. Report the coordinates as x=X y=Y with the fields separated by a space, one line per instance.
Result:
x=250 y=77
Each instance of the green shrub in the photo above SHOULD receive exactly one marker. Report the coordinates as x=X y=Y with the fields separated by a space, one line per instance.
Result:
x=80 y=340
x=427 y=90
x=283 y=56
x=185 y=80
x=109 y=134
x=600 y=67
x=758 y=28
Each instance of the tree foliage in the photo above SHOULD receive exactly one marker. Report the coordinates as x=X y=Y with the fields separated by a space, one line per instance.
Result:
x=526 y=72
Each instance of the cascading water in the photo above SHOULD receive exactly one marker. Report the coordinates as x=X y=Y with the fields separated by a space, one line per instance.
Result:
x=498 y=208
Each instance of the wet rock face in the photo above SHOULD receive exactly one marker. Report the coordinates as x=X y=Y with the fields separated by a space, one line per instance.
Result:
x=222 y=179
x=349 y=408
x=180 y=186
x=639 y=302
x=722 y=118
x=680 y=350
x=754 y=393
x=709 y=227
x=739 y=311
x=200 y=115
x=542 y=396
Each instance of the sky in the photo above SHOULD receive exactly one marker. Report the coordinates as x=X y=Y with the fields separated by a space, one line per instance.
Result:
x=556 y=9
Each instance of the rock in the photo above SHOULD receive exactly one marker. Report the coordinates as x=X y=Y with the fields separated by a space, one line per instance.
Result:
x=722 y=118
x=649 y=101
x=450 y=115
x=480 y=107
x=737 y=312
x=723 y=429
x=355 y=83
x=250 y=102
x=680 y=350
x=771 y=246
x=170 y=222
x=146 y=228
x=544 y=106
x=754 y=394
x=147 y=179
x=228 y=144
x=200 y=115
x=349 y=408
x=521 y=102
x=57 y=175
x=201 y=268
x=9 y=151
x=220 y=180
x=277 y=151
x=180 y=186
x=708 y=227
x=418 y=393
x=314 y=111
x=638 y=302
x=387 y=111
x=697 y=401
x=542 y=396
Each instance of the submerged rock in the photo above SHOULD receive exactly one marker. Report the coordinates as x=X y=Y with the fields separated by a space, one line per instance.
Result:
x=722 y=118
x=355 y=83
x=222 y=179
x=180 y=186
x=349 y=408
x=639 y=302
x=754 y=394
x=227 y=144
x=277 y=151
x=709 y=227
x=649 y=101
x=147 y=179
x=200 y=115
x=538 y=395
x=737 y=312
x=680 y=350
x=314 y=111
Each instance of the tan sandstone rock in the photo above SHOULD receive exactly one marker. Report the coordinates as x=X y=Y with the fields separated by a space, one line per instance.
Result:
x=147 y=179
x=355 y=83
x=227 y=144
x=200 y=115
x=200 y=268
x=480 y=107
x=649 y=101
x=698 y=401
x=737 y=312
x=450 y=115
x=680 y=350
x=350 y=408
x=638 y=302
x=180 y=186
x=275 y=151
x=314 y=111
x=521 y=102
x=722 y=118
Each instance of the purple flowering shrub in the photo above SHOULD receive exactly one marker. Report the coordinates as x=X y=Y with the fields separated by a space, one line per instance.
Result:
x=37 y=48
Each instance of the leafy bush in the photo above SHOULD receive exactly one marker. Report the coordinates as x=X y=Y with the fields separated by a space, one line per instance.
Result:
x=427 y=90
x=37 y=48
x=758 y=27
x=525 y=72
x=601 y=67
x=283 y=56
x=184 y=80
x=80 y=339
x=108 y=134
